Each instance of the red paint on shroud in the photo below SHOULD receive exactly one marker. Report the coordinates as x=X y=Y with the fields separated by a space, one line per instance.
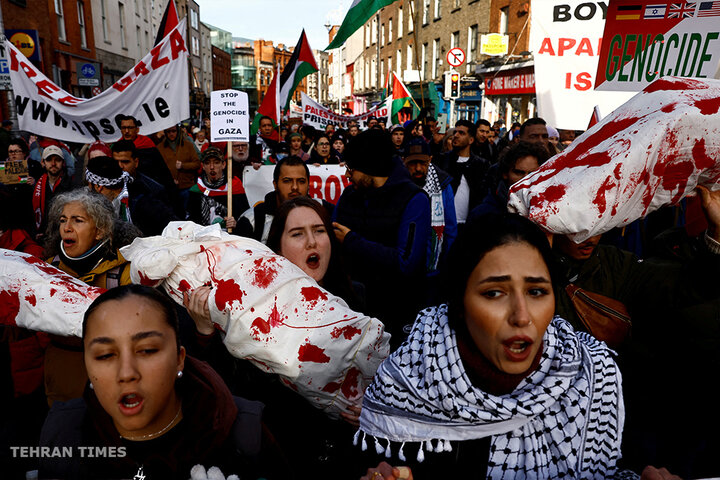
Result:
x=260 y=326
x=9 y=307
x=30 y=298
x=184 y=286
x=699 y=154
x=669 y=107
x=312 y=353
x=677 y=84
x=148 y=282
x=227 y=292
x=275 y=319
x=350 y=384
x=312 y=294
x=53 y=291
x=43 y=266
x=348 y=332
x=616 y=172
x=708 y=106
x=265 y=272
x=331 y=387
x=600 y=201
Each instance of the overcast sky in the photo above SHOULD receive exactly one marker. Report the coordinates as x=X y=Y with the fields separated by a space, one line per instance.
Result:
x=278 y=20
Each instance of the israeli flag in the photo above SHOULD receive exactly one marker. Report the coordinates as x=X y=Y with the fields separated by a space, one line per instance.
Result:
x=655 y=11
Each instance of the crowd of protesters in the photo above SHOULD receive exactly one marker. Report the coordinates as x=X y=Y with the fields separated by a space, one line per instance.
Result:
x=420 y=229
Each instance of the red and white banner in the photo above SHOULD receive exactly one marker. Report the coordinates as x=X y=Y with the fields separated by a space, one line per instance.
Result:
x=319 y=117
x=155 y=92
x=565 y=38
x=645 y=41
x=512 y=82
x=326 y=182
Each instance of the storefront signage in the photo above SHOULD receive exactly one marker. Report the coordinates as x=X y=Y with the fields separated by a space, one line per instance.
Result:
x=510 y=83
x=27 y=41
x=493 y=44
x=644 y=42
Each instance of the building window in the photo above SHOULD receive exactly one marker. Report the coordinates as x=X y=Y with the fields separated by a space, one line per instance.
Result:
x=382 y=72
x=373 y=73
x=382 y=34
x=472 y=46
x=60 y=20
x=436 y=57
x=195 y=46
x=139 y=41
x=400 y=22
x=409 y=57
x=399 y=61
x=194 y=19
x=147 y=40
x=411 y=15
x=457 y=4
x=121 y=22
x=426 y=12
x=424 y=69
x=374 y=30
x=389 y=65
x=81 y=24
x=103 y=16
x=438 y=7
x=504 y=20
x=455 y=40
x=390 y=37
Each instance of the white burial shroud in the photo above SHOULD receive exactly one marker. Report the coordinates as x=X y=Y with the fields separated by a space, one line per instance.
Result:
x=650 y=152
x=270 y=311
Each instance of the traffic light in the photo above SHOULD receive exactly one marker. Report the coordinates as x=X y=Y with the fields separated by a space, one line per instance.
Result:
x=452 y=84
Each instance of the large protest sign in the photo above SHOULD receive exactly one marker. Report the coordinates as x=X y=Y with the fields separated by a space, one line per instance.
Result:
x=155 y=92
x=319 y=117
x=565 y=38
x=229 y=116
x=326 y=182
x=646 y=41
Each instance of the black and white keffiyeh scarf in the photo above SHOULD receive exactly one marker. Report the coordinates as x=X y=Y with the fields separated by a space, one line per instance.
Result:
x=564 y=420
x=437 y=216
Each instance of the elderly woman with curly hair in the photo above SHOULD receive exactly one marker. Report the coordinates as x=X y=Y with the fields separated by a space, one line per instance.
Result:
x=82 y=239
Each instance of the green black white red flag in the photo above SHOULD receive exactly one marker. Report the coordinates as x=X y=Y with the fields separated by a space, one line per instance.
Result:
x=359 y=13
x=301 y=64
x=401 y=99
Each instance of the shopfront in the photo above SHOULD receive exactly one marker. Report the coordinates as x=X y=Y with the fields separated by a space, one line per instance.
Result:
x=509 y=93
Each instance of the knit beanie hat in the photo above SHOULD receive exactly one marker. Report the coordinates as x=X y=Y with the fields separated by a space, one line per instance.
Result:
x=370 y=152
x=106 y=172
x=212 y=152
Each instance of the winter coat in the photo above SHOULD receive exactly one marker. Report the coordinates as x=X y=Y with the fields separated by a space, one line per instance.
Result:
x=217 y=429
x=185 y=152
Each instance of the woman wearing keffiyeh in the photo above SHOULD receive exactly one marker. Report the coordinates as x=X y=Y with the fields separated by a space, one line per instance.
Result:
x=491 y=383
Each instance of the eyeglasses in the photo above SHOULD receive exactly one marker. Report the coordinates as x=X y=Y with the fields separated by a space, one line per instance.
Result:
x=323 y=144
x=15 y=151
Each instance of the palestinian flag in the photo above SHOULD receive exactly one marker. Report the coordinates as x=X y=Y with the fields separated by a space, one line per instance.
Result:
x=359 y=13
x=270 y=107
x=401 y=99
x=301 y=64
x=169 y=21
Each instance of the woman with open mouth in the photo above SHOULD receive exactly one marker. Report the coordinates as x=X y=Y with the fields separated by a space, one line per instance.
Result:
x=150 y=411
x=492 y=382
x=83 y=238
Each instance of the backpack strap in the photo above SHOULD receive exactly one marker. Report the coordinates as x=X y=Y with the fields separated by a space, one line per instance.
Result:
x=113 y=276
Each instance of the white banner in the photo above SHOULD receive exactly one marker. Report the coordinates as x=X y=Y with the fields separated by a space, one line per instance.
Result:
x=155 y=92
x=565 y=38
x=319 y=117
x=326 y=182
x=230 y=118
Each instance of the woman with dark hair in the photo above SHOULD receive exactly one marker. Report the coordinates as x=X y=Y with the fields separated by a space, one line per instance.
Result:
x=154 y=411
x=322 y=153
x=294 y=141
x=491 y=382
x=83 y=239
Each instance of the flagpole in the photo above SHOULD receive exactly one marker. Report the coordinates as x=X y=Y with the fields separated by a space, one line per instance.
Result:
x=377 y=53
x=229 y=181
x=417 y=61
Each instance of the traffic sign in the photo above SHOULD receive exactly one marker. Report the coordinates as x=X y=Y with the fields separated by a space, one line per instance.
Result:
x=455 y=57
x=96 y=91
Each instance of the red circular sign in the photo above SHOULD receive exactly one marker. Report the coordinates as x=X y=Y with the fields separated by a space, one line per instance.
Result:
x=96 y=91
x=455 y=57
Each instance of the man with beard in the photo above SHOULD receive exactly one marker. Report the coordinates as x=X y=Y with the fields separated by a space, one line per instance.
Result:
x=53 y=181
x=436 y=184
x=208 y=197
x=382 y=221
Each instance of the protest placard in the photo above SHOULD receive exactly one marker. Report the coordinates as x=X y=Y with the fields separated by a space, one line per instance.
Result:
x=643 y=42
x=565 y=39
x=327 y=182
x=151 y=92
x=229 y=116
x=319 y=117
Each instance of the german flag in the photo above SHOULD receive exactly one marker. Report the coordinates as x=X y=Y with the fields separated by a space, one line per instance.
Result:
x=629 y=12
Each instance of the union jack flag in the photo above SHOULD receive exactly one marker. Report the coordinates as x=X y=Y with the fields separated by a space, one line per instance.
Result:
x=709 y=9
x=682 y=10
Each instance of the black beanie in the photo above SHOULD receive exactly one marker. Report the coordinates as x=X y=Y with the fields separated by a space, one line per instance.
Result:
x=370 y=152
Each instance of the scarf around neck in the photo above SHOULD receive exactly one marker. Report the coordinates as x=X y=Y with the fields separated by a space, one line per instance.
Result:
x=565 y=419
x=437 y=216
